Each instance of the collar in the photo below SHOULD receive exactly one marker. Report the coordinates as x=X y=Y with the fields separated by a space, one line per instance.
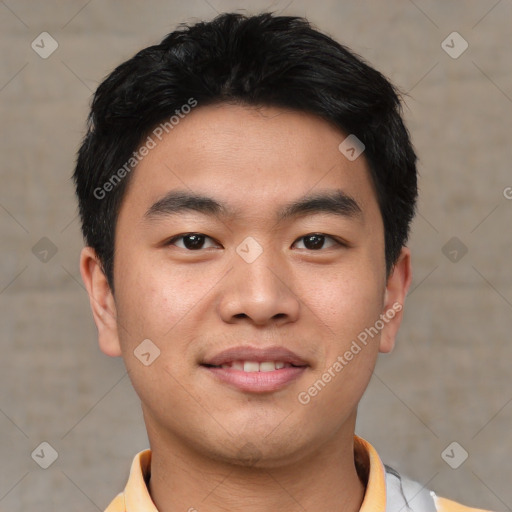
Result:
x=136 y=497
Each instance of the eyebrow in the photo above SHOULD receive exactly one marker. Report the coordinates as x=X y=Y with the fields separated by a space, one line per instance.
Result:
x=334 y=202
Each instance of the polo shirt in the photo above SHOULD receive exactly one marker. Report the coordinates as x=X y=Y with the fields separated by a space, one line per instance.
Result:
x=386 y=490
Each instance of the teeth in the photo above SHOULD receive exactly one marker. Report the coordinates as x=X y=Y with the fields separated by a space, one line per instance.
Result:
x=251 y=366
x=255 y=366
x=267 y=366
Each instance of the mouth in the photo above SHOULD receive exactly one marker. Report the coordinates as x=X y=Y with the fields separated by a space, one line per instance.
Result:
x=254 y=366
x=255 y=370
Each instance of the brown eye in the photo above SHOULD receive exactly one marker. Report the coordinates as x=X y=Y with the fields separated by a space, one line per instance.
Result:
x=316 y=241
x=190 y=241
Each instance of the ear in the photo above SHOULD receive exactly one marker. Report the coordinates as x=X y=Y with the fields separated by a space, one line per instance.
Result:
x=102 y=302
x=396 y=289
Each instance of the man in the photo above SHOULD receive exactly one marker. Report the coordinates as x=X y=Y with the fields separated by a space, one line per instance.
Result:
x=246 y=189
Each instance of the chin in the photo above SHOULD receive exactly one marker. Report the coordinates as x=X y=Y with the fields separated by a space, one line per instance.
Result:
x=255 y=450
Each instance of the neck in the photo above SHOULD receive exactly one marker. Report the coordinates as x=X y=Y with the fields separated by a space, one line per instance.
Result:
x=183 y=479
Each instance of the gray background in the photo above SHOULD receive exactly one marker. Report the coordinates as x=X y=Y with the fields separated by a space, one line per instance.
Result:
x=448 y=378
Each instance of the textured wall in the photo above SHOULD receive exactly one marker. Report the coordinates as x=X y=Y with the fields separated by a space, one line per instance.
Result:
x=448 y=378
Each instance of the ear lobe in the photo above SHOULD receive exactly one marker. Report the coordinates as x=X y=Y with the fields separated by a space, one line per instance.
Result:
x=102 y=302
x=398 y=284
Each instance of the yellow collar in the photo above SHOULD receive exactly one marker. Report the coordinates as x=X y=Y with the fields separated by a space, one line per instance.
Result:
x=136 y=498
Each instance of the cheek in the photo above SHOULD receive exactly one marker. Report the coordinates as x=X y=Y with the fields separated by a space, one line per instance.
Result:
x=153 y=304
x=346 y=301
x=147 y=301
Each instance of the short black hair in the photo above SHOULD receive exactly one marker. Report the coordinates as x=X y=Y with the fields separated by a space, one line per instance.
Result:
x=260 y=60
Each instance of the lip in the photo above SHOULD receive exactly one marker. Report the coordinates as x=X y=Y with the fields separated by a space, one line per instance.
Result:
x=247 y=353
x=256 y=382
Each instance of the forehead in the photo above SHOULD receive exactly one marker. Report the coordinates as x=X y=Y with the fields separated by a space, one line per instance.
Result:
x=251 y=159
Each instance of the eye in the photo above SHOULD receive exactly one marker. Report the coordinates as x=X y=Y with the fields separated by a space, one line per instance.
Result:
x=316 y=241
x=190 y=241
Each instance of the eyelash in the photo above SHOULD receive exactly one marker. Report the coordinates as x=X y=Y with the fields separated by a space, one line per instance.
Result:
x=337 y=241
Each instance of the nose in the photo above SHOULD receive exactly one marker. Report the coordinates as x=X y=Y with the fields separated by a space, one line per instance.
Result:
x=260 y=292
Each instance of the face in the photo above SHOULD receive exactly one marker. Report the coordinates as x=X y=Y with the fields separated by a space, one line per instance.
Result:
x=250 y=252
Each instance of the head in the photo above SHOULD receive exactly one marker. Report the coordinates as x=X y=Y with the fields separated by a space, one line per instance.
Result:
x=223 y=203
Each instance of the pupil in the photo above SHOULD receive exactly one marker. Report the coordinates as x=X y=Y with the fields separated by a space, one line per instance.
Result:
x=193 y=241
x=317 y=241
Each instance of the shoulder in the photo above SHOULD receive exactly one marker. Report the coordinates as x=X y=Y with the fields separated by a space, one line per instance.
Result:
x=403 y=492
x=117 y=504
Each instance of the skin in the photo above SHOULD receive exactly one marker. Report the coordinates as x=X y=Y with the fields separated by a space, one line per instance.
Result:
x=215 y=447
